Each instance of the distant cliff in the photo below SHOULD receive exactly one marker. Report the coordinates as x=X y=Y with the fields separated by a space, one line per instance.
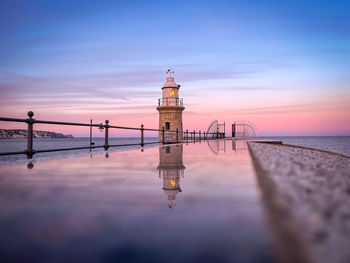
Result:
x=18 y=134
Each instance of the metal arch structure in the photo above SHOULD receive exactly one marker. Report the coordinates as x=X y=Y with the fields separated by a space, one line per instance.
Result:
x=243 y=129
x=215 y=130
x=212 y=129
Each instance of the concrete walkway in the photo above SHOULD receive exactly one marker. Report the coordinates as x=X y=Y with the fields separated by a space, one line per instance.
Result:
x=307 y=195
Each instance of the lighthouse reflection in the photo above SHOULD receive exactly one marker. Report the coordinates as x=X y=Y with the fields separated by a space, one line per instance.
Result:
x=171 y=170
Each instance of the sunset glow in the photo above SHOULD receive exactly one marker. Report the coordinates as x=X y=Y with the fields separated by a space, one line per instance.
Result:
x=283 y=66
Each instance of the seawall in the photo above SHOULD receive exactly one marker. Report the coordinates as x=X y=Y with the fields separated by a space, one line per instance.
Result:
x=307 y=195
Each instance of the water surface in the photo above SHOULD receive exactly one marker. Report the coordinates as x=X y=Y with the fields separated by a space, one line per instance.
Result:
x=179 y=203
x=337 y=144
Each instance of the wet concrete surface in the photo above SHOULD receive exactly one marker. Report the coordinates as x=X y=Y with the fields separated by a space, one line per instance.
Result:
x=307 y=193
x=181 y=203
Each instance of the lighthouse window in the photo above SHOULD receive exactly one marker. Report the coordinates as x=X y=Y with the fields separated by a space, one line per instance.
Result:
x=167 y=125
x=167 y=149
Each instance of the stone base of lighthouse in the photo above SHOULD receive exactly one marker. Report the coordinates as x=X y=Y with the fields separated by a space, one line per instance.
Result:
x=170 y=117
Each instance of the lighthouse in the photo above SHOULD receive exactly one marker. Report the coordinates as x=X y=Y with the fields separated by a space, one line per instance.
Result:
x=170 y=108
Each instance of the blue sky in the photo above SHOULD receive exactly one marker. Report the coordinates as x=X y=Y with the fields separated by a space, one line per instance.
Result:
x=239 y=54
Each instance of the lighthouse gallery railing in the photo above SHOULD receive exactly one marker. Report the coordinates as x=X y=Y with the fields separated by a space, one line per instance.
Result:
x=170 y=101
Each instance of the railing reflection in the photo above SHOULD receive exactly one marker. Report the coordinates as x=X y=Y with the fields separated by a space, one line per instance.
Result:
x=217 y=145
x=238 y=145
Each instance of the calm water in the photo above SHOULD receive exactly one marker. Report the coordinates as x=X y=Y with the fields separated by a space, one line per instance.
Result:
x=13 y=145
x=180 y=203
x=338 y=144
x=56 y=143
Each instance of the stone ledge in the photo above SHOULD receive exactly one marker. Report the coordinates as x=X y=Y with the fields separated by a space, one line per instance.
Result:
x=307 y=194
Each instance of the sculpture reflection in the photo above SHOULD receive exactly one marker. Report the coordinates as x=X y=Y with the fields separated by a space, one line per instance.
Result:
x=171 y=169
x=217 y=145
x=238 y=145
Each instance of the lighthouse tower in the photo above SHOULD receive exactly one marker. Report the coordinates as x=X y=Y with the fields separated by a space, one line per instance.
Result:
x=170 y=108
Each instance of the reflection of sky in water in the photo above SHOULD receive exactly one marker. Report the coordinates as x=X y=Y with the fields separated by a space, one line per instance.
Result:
x=116 y=209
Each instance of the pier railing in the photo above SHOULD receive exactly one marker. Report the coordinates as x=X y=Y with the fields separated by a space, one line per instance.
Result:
x=199 y=135
x=163 y=138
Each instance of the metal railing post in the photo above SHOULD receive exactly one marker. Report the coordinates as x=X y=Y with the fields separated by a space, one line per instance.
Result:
x=186 y=134
x=142 y=135
x=200 y=136
x=106 y=134
x=194 y=135
x=163 y=131
x=177 y=134
x=224 y=135
x=30 y=135
x=90 y=132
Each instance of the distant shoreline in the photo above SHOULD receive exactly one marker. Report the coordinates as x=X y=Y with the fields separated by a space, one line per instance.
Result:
x=22 y=134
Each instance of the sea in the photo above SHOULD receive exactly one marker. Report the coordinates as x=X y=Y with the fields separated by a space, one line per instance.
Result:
x=337 y=144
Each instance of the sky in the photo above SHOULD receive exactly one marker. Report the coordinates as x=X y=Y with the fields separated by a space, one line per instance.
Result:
x=283 y=65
